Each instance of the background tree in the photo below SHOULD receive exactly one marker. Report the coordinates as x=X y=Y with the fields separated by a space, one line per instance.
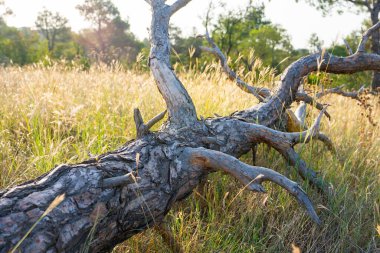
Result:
x=315 y=43
x=370 y=6
x=4 y=11
x=100 y=13
x=238 y=32
x=20 y=46
x=51 y=25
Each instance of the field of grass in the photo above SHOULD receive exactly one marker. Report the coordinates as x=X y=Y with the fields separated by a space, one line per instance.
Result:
x=52 y=116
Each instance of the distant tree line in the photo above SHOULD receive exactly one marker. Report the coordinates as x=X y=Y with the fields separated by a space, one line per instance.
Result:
x=244 y=35
x=109 y=39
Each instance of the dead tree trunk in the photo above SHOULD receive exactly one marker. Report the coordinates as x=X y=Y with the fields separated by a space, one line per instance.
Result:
x=375 y=46
x=116 y=195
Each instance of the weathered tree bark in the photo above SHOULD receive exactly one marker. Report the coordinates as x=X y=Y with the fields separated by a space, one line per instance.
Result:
x=375 y=47
x=116 y=195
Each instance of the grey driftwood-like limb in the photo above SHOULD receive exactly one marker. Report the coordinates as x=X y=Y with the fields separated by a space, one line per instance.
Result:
x=259 y=93
x=178 y=5
x=366 y=36
x=155 y=119
x=180 y=106
x=141 y=128
x=348 y=47
x=306 y=136
x=250 y=176
x=339 y=91
x=96 y=218
x=292 y=76
x=298 y=126
x=301 y=96
x=291 y=79
x=327 y=141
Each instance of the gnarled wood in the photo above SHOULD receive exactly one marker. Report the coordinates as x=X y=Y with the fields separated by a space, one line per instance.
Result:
x=180 y=106
x=250 y=176
x=116 y=195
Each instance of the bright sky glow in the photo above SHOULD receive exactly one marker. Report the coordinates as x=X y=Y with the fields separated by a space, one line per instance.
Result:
x=299 y=19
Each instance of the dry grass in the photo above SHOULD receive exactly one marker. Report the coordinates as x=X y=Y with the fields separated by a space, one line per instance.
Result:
x=52 y=116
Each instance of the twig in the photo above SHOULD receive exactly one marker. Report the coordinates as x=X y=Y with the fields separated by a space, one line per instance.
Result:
x=366 y=36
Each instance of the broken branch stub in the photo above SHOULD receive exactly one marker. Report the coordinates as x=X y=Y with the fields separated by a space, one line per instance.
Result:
x=141 y=128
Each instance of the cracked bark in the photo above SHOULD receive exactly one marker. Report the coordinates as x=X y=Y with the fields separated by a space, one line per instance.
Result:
x=116 y=195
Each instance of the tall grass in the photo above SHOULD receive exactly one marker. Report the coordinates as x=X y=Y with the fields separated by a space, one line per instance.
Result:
x=51 y=115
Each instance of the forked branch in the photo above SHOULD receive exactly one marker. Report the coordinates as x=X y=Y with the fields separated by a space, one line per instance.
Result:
x=268 y=113
x=366 y=36
x=251 y=177
x=350 y=94
x=296 y=124
x=284 y=142
x=306 y=136
x=300 y=96
x=179 y=104
x=259 y=93
x=141 y=128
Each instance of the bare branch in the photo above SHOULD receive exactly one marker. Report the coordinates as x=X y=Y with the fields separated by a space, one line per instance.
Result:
x=348 y=47
x=311 y=101
x=297 y=126
x=259 y=93
x=156 y=119
x=283 y=142
x=139 y=122
x=179 y=104
x=339 y=91
x=305 y=172
x=293 y=75
x=250 y=176
x=327 y=141
x=141 y=128
x=180 y=107
x=306 y=136
x=178 y=5
x=291 y=79
x=366 y=36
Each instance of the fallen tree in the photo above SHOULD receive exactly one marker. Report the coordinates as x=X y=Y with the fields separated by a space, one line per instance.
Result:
x=111 y=197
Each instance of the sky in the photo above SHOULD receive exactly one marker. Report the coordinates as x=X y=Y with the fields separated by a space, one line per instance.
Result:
x=299 y=19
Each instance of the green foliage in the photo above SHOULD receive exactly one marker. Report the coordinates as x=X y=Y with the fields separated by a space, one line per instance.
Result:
x=315 y=43
x=239 y=32
x=53 y=27
x=19 y=46
x=326 y=6
x=110 y=40
x=69 y=114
